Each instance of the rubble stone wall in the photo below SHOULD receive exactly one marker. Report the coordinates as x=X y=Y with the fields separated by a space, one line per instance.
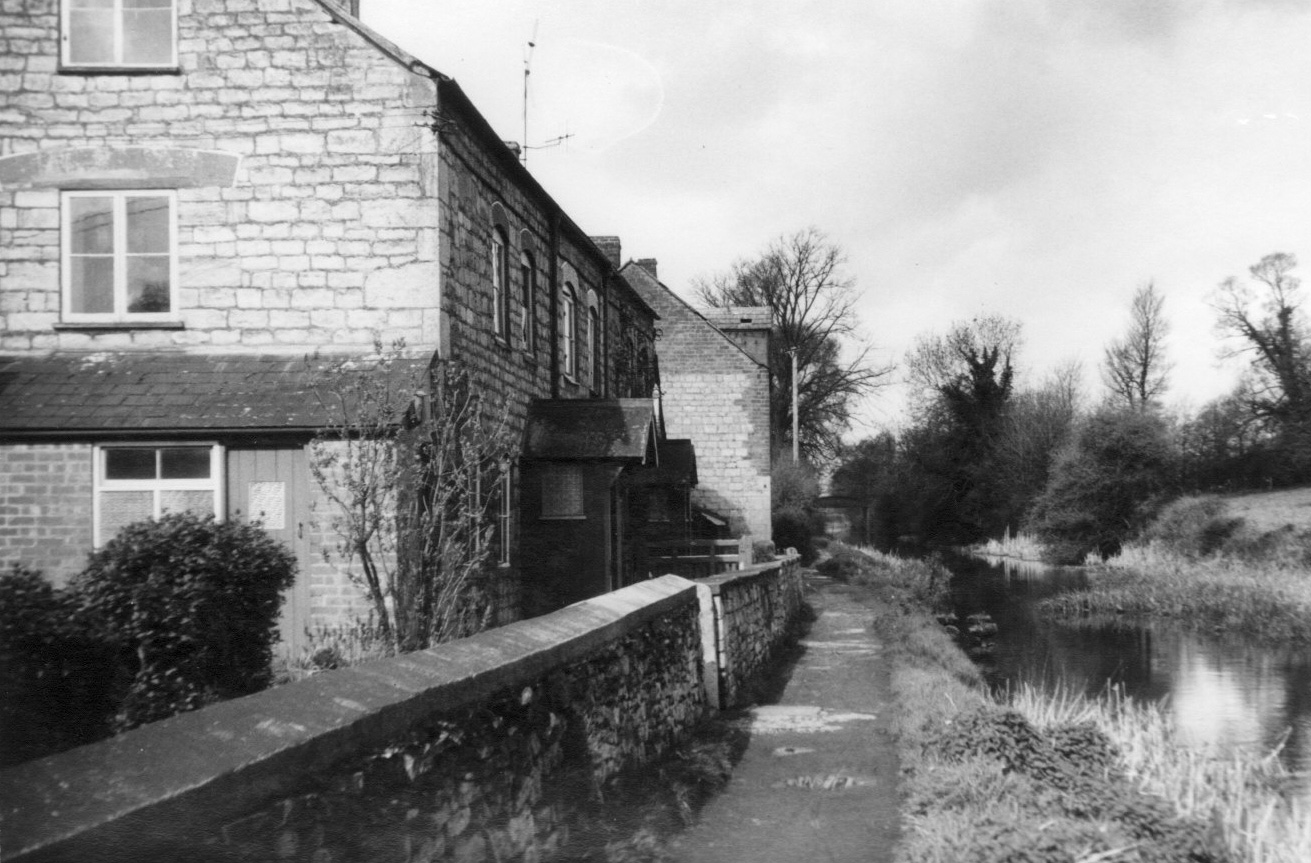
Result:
x=474 y=750
x=753 y=610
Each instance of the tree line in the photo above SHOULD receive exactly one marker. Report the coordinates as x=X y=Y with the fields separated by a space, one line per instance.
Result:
x=983 y=454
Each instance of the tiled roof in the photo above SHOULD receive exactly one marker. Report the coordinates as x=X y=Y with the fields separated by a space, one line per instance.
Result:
x=118 y=392
x=591 y=429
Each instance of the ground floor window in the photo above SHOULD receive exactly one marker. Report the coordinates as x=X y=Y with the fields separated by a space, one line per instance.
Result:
x=562 y=491
x=139 y=482
x=502 y=509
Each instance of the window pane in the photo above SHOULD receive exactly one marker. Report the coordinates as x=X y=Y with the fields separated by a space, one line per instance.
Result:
x=91 y=220
x=91 y=285
x=147 y=36
x=91 y=35
x=184 y=462
x=121 y=508
x=186 y=501
x=562 y=491
x=147 y=283
x=129 y=463
x=147 y=225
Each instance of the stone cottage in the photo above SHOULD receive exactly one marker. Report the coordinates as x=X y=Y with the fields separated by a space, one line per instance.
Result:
x=197 y=194
x=714 y=376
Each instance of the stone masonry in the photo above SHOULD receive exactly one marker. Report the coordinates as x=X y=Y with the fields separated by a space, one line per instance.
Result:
x=715 y=393
x=306 y=180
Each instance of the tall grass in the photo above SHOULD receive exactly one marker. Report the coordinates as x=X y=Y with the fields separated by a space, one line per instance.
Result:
x=1244 y=795
x=1022 y=546
x=1268 y=600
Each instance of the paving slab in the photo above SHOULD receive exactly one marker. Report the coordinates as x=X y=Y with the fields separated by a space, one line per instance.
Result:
x=818 y=780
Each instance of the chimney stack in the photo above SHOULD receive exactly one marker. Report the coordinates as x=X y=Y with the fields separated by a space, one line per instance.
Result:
x=609 y=245
x=648 y=264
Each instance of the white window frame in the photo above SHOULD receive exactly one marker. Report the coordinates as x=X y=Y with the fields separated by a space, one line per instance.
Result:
x=505 y=514
x=569 y=331
x=528 y=291
x=500 y=283
x=120 y=314
x=214 y=482
x=66 y=41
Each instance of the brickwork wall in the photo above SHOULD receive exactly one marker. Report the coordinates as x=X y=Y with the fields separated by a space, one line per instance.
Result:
x=326 y=236
x=46 y=507
x=483 y=749
x=717 y=396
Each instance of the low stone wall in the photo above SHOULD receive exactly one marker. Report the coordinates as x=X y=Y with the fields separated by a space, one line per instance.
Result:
x=744 y=618
x=471 y=751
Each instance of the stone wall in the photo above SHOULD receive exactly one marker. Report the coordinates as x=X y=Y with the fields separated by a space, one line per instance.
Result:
x=46 y=507
x=304 y=168
x=715 y=393
x=474 y=750
x=752 y=610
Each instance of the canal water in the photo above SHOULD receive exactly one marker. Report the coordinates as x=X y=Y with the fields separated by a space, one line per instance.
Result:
x=1221 y=691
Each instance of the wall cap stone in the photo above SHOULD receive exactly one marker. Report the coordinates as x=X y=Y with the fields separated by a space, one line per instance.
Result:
x=226 y=759
x=735 y=578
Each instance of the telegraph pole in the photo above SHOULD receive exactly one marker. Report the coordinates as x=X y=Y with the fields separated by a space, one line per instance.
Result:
x=796 y=424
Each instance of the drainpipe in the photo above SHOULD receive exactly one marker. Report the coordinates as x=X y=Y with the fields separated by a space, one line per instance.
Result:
x=555 y=305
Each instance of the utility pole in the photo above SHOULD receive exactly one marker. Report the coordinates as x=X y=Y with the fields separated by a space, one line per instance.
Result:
x=796 y=423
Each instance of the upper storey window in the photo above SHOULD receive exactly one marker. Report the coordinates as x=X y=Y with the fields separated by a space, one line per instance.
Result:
x=119 y=256
x=500 y=284
x=113 y=34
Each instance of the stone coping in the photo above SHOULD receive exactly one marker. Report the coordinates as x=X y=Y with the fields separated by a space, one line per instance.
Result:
x=221 y=761
x=734 y=578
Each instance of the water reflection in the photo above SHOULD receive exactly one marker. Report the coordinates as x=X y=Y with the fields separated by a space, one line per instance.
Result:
x=1221 y=691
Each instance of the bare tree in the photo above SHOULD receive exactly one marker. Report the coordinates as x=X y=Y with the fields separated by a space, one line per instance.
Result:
x=1135 y=369
x=800 y=277
x=1268 y=323
x=412 y=465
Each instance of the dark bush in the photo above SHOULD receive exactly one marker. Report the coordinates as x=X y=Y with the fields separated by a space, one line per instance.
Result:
x=1194 y=526
x=1104 y=486
x=56 y=677
x=191 y=606
x=793 y=529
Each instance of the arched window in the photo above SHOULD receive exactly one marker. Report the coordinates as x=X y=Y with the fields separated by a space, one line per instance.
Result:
x=528 y=296
x=594 y=347
x=568 y=326
x=595 y=367
x=500 y=284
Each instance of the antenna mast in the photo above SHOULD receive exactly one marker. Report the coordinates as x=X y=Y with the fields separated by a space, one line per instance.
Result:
x=527 y=70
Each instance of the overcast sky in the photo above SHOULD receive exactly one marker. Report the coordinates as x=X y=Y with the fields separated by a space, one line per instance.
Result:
x=1039 y=159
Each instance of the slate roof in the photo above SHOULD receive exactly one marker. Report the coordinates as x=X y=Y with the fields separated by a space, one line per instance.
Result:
x=677 y=465
x=592 y=429
x=173 y=392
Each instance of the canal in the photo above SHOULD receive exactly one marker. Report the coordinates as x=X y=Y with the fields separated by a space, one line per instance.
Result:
x=1221 y=691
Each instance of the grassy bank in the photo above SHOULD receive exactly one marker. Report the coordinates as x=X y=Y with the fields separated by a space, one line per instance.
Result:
x=1039 y=779
x=1231 y=564
x=1266 y=601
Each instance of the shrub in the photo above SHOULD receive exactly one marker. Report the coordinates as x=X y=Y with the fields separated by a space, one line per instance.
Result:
x=793 y=529
x=1104 y=485
x=55 y=675
x=1194 y=526
x=191 y=606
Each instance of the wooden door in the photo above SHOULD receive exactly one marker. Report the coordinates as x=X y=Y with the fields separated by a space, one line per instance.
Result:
x=272 y=486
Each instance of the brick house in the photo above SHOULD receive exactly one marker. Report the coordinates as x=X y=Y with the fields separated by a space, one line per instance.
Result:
x=715 y=385
x=197 y=194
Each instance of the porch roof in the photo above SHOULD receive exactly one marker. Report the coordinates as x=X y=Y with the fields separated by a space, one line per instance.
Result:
x=123 y=392
x=592 y=429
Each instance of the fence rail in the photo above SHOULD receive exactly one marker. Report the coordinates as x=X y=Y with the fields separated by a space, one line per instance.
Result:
x=693 y=558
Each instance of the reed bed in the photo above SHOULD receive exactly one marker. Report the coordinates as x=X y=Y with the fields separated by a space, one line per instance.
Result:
x=1020 y=546
x=1244 y=795
x=1268 y=600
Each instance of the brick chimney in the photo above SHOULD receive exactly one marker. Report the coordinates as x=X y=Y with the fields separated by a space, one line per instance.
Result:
x=609 y=245
x=648 y=264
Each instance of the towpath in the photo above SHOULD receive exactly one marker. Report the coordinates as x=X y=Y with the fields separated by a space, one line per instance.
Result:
x=818 y=781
